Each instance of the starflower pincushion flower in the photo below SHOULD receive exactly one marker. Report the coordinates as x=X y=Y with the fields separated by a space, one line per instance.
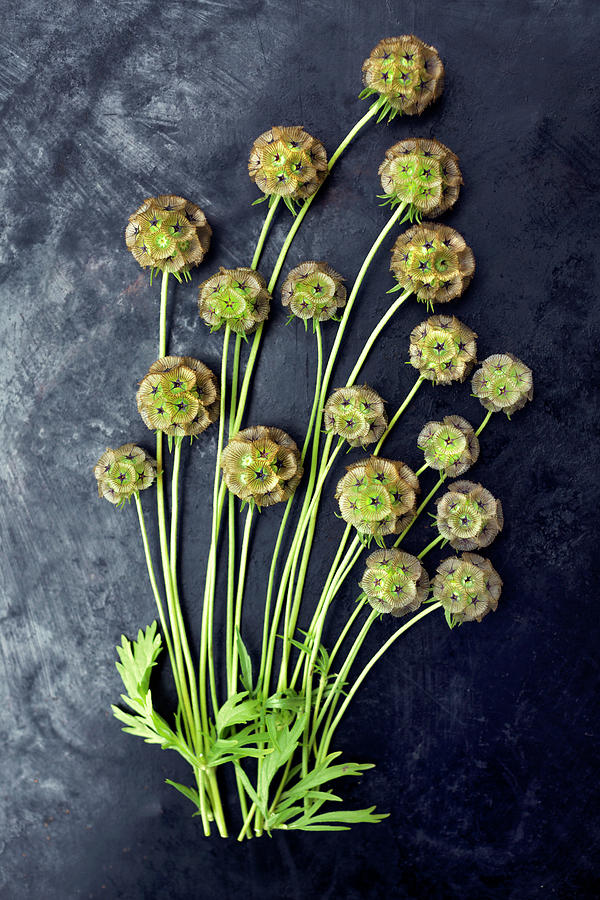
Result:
x=179 y=396
x=468 y=587
x=503 y=383
x=450 y=446
x=443 y=349
x=433 y=261
x=235 y=297
x=287 y=162
x=378 y=496
x=168 y=233
x=355 y=414
x=394 y=582
x=468 y=516
x=123 y=472
x=421 y=172
x=313 y=290
x=262 y=464
x=406 y=72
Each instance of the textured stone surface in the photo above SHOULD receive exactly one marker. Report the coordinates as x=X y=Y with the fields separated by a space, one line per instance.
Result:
x=486 y=738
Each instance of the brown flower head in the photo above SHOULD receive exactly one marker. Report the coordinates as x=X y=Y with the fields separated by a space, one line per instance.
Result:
x=378 y=496
x=503 y=383
x=168 y=233
x=261 y=464
x=313 y=290
x=287 y=162
x=123 y=472
x=234 y=297
x=179 y=396
x=443 y=349
x=433 y=262
x=394 y=582
x=355 y=414
x=468 y=588
x=423 y=173
x=450 y=446
x=468 y=516
x=405 y=72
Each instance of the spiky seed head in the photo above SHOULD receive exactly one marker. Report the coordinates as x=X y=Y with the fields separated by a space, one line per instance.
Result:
x=468 y=588
x=123 y=472
x=262 y=464
x=450 y=446
x=394 y=582
x=313 y=290
x=503 y=383
x=406 y=72
x=443 y=349
x=433 y=262
x=168 y=233
x=356 y=414
x=287 y=162
x=378 y=496
x=422 y=172
x=468 y=516
x=234 y=297
x=179 y=396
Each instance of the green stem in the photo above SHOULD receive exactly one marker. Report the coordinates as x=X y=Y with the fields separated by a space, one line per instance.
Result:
x=398 y=413
x=423 y=468
x=264 y=232
x=430 y=546
x=175 y=505
x=420 y=509
x=484 y=423
x=375 y=334
x=240 y=596
x=373 y=110
x=162 y=328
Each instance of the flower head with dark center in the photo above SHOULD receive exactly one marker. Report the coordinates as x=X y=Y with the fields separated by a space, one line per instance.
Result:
x=443 y=349
x=433 y=261
x=405 y=72
x=468 y=588
x=394 y=582
x=357 y=414
x=313 y=290
x=287 y=162
x=378 y=496
x=123 y=472
x=449 y=446
x=503 y=383
x=179 y=396
x=168 y=233
x=468 y=516
x=262 y=465
x=234 y=297
x=423 y=173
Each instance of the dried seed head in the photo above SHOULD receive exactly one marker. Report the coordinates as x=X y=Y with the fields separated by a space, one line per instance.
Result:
x=123 y=472
x=261 y=464
x=433 y=261
x=313 y=290
x=394 y=582
x=421 y=172
x=468 y=588
x=287 y=162
x=503 y=383
x=450 y=446
x=378 y=496
x=355 y=414
x=468 y=516
x=234 y=297
x=408 y=73
x=443 y=349
x=168 y=233
x=179 y=396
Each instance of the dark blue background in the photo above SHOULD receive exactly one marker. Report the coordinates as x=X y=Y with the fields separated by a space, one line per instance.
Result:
x=486 y=738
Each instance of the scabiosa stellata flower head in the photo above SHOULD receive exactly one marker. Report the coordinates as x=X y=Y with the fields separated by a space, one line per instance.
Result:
x=313 y=290
x=234 y=297
x=468 y=516
x=378 y=496
x=443 y=349
x=168 y=233
x=406 y=73
x=423 y=173
x=356 y=414
x=287 y=162
x=394 y=582
x=179 y=396
x=433 y=261
x=468 y=587
x=450 y=446
x=503 y=383
x=123 y=472
x=261 y=464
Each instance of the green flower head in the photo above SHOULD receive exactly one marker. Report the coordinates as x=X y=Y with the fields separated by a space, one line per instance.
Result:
x=378 y=496
x=405 y=72
x=355 y=414
x=443 y=349
x=262 y=465
x=394 y=582
x=234 y=297
x=123 y=472
x=168 y=233
x=313 y=290
x=468 y=516
x=433 y=261
x=503 y=383
x=179 y=396
x=450 y=446
x=468 y=587
x=421 y=172
x=287 y=162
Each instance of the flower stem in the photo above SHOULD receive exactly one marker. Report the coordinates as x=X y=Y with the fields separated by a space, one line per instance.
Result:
x=375 y=334
x=373 y=110
x=430 y=546
x=240 y=596
x=420 y=509
x=264 y=232
x=162 y=328
x=175 y=505
x=484 y=423
x=398 y=413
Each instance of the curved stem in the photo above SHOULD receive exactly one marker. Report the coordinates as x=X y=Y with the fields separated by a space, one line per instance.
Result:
x=398 y=413
x=484 y=423
x=239 y=597
x=420 y=509
x=373 y=110
x=264 y=232
x=423 y=468
x=374 y=335
x=430 y=546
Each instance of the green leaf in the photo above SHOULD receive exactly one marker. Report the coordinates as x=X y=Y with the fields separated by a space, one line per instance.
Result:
x=236 y=711
x=260 y=200
x=324 y=773
x=137 y=658
x=245 y=662
x=190 y=793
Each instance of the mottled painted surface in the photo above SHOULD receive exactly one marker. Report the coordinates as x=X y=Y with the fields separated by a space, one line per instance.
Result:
x=485 y=739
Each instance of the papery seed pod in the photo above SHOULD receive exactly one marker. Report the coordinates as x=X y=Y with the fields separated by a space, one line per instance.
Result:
x=356 y=414
x=503 y=383
x=313 y=290
x=443 y=349
x=408 y=73
x=467 y=586
x=287 y=162
x=394 y=582
x=262 y=464
x=168 y=233
x=179 y=396
x=378 y=496
x=123 y=472
x=468 y=516
x=421 y=172
x=450 y=446
x=433 y=261
x=234 y=297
